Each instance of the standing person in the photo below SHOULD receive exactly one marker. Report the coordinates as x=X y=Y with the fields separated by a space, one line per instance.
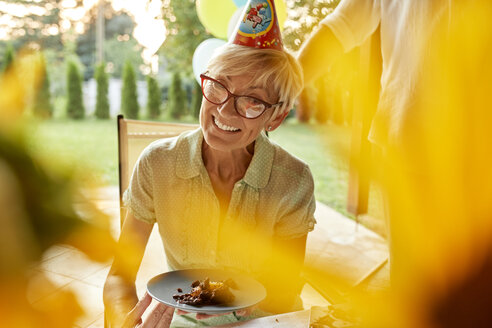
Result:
x=225 y=196
x=406 y=28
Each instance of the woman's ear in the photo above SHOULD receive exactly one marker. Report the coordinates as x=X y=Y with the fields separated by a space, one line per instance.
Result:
x=275 y=123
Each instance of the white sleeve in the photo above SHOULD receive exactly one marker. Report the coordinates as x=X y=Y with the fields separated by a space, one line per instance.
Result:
x=353 y=21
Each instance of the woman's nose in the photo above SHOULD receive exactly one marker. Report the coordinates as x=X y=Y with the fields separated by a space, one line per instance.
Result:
x=227 y=108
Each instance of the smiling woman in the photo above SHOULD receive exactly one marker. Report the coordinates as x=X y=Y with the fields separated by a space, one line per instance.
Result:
x=226 y=185
x=224 y=196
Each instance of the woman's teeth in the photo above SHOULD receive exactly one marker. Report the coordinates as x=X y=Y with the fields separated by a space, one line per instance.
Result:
x=225 y=127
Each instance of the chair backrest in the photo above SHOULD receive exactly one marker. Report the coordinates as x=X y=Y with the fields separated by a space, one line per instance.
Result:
x=133 y=137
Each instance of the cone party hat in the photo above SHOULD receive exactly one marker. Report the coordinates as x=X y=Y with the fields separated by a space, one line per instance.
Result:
x=258 y=26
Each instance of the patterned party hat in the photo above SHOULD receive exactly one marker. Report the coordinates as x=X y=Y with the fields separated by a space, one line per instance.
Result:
x=258 y=26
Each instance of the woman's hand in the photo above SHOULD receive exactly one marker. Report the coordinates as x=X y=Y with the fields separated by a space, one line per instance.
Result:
x=160 y=317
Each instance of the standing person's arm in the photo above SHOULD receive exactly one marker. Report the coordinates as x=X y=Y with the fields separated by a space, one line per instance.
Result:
x=318 y=53
x=347 y=27
x=120 y=295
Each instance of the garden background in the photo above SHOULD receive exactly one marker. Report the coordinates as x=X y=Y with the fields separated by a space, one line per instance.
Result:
x=75 y=108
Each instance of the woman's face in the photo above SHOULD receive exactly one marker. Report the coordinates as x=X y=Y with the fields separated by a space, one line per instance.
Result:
x=223 y=128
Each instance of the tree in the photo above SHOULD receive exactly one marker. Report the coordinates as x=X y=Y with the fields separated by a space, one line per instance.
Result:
x=129 y=101
x=119 y=50
x=75 y=105
x=119 y=45
x=177 y=98
x=184 y=33
x=196 y=100
x=8 y=57
x=43 y=24
x=42 y=106
x=102 y=101
x=305 y=16
x=153 y=98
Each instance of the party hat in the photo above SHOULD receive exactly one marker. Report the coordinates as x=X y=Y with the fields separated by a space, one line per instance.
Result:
x=258 y=26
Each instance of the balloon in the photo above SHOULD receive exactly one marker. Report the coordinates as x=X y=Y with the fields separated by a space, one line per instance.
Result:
x=215 y=15
x=281 y=15
x=233 y=22
x=240 y=3
x=203 y=54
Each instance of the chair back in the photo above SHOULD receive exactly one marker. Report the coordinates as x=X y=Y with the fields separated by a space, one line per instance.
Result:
x=133 y=137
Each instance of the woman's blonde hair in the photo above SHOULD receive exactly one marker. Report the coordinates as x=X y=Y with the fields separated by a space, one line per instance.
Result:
x=269 y=67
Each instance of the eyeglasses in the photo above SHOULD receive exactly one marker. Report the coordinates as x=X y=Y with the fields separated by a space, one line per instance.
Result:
x=246 y=106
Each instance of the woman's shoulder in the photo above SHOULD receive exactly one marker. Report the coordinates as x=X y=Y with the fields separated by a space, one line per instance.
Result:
x=286 y=163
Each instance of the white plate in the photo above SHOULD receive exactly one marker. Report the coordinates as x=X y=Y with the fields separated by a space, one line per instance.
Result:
x=162 y=288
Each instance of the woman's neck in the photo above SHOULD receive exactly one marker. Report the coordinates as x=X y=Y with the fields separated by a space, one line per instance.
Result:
x=227 y=165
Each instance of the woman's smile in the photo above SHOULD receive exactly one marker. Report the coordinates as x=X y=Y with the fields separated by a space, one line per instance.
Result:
x=224 y=127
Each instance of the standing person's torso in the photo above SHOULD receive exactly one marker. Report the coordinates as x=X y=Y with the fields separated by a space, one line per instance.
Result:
x=406 y=27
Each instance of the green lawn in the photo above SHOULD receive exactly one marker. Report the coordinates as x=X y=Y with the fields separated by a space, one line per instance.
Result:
x=91 y=146
x=324 y=149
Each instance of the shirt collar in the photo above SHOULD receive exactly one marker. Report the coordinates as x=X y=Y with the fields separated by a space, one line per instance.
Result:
x=189 y=161
x=258 y=172
x=189 y=154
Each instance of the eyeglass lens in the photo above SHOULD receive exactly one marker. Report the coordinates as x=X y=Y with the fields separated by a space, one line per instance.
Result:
x=246 y=106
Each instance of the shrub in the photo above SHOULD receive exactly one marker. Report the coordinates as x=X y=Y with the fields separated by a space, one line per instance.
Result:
x=8 y=57
x=153 y=98
x=75 y=106
x=196 y=100
x=102 y=101
x=176 y=98
x=129 y=101
x=42 y=106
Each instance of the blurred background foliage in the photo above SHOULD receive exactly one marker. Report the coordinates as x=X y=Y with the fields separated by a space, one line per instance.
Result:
x=184 y=33
x=66 y=31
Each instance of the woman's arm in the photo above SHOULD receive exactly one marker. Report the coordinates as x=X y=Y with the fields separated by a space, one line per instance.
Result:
x=282 y=280
x=119 y=294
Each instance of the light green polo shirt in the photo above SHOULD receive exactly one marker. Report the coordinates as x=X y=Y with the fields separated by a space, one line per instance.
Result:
x=170 y=185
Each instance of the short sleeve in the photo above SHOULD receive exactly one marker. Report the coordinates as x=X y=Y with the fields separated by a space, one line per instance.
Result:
x=298 y=219
x=353 y=21
x=139 y=198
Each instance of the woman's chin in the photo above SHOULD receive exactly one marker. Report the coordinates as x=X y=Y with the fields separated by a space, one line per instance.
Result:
x=222 y=140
